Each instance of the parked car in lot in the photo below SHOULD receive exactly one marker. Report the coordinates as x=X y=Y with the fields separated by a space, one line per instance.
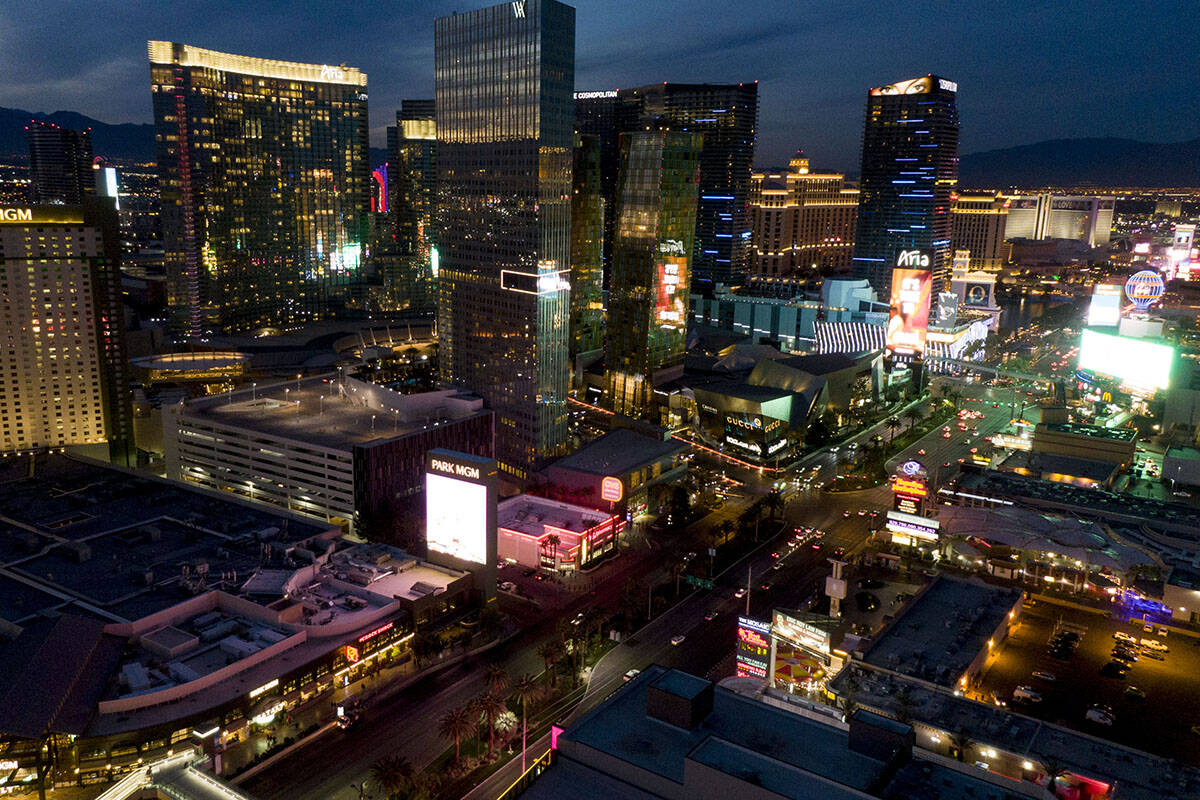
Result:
x=1125 y=637
x=1155 y=644
x=1114 y=669
x=866 y=602
x=1134 y=693
x=1100 y=714
x=1045 y=676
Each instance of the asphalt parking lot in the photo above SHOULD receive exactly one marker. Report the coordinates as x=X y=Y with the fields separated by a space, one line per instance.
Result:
x=1161 y=723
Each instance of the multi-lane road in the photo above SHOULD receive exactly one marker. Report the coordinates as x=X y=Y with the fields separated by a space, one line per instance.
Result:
x=406 y=723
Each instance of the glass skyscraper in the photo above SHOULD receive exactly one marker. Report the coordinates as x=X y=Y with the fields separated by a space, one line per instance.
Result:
x=909 y=171
x=587 y=247
x=504 y=80
x=60 y=164
x=265 y=187
x=652 y=254
x=412 y=188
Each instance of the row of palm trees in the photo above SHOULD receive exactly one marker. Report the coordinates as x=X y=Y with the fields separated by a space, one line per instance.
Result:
x=490 y=709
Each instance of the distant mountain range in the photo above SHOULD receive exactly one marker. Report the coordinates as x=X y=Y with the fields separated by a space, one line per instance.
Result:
x=1058 y=162
x=128 y=141
x=1080 y=162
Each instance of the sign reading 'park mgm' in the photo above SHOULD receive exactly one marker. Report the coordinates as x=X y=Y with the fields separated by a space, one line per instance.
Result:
x=16 y=215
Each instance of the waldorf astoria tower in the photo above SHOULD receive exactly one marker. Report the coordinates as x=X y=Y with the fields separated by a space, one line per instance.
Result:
x=504 y=80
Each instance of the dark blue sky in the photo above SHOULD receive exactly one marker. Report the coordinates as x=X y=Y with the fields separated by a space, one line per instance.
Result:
x=1026 y=71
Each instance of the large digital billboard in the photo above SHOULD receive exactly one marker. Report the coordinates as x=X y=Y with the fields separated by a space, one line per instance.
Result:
x=1139 y=364
x=1105 y=309
x=909 y=319
x=671 y=297
x=460 y=507
x=753 y=648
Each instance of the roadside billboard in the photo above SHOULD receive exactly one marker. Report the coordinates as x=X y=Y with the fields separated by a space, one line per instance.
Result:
x=908 y=322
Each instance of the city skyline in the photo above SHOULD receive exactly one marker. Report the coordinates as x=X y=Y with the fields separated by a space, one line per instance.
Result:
x=1011 y=68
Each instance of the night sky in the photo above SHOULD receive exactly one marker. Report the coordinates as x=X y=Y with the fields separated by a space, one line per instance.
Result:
x=1026 y=71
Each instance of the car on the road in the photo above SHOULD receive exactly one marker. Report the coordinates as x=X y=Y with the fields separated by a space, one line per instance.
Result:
x=1026 y=694
x=529 y=573
x=506 y=586
x=1114 y=669
x=710 y=616
x=677 y=639
x=866 y=602
x=946 y=464
x=845 y=513
x=921 y=452
x=631 y=674
x=740 y=593
x=1042 y=675
x=1134 y=693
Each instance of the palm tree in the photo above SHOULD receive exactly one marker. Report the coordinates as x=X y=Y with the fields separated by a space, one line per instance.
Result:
x=551 y=544
x=457 y=724
x=506 y=723
x=524 y=689
x=549 y=652
x=961 y=742
x=774 y=502
x=726 y=528
x=1054 y=770
x=892 y=425
x=489 y=706
x=392 y=773
x=495 y=678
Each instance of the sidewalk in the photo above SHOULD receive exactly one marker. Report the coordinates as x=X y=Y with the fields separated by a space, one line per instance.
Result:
x=371 y=689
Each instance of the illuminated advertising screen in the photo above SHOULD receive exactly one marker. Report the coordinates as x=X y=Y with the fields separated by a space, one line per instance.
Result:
x=456 y=518
x=671 y=297
x=460 y=507
x=800 y=629
x=947 y=310
x=909 y=319
x=1106 y=305
x=753 y=648
x=976 y=295
x=1139 y=364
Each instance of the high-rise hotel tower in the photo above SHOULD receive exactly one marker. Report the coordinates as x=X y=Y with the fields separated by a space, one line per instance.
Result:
x=263 y=170
x=505 y=133
x=909 y=171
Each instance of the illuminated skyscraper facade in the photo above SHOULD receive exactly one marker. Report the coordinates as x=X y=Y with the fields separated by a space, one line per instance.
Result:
x=265 y=187
x=60 y=164
x=504 y=80
x=652 y=253
x=63 y=366
x=727 y=115
x=909 y=171
x=412 y=187
x=587 y=249
x=803 y=221
x=980 y=224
